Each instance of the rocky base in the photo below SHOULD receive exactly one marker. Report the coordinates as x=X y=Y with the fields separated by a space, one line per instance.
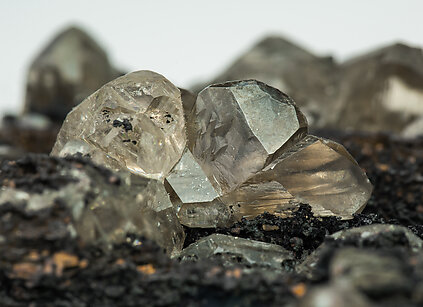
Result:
x=359 y=266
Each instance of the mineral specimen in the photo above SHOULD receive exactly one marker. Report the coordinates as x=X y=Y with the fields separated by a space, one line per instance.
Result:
x=102 y=207
x=233 y=250
x=69 y=69
x=135 y=122
x=240 y=149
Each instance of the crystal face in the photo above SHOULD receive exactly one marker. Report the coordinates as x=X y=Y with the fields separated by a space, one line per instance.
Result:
x=134 y=122
x=195 y=199
x=239 y=126
x=189 y=181
x=234 y=250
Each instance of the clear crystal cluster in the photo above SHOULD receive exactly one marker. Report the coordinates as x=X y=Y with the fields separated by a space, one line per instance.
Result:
x=239 y=149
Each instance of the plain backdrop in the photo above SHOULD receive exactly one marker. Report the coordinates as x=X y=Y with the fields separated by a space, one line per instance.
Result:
x=193 y=40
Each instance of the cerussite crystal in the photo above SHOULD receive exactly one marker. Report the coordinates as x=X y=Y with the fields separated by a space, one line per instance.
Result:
x=239 y=127
x=135 y=122
x=320 y=173
x=234 y=250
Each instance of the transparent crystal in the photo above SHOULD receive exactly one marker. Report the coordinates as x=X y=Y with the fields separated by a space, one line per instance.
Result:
x=320 y=173
x=206 y=215
x=134 y=122
x=239 y=127
x=389 y=77
x=239 y=150
x=234 y=250
x=252 y=199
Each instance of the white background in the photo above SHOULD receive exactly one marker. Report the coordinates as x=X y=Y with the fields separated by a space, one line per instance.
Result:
x=191 y=41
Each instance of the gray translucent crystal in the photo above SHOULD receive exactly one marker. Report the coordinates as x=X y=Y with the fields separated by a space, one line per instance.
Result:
x=239 y=127
x=135 y=122
x=234 y=250
x=69 y=69
x=195 y=199
x=105 y=207
x=29 y=132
